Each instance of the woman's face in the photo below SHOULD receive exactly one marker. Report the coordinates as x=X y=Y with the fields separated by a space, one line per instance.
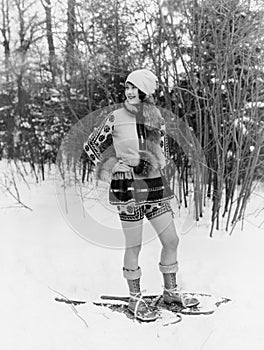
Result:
x=131 y=93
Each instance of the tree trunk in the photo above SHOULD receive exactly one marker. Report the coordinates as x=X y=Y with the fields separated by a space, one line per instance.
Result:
x=70 y=41
x=5 y=30
x=52 y=55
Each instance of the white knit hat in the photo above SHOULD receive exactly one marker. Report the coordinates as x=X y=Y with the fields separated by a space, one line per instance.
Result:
x=144 y=80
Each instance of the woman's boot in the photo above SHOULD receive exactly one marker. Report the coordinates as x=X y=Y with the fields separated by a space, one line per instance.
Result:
x=141 y=310
x=172 y=293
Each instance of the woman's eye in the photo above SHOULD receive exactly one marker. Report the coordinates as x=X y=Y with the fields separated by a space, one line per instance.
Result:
x=130 y=87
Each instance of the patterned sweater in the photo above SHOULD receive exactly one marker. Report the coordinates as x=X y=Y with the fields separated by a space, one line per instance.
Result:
x=121 y=130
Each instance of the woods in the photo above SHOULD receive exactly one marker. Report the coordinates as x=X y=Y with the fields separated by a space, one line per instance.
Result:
x=62 y=60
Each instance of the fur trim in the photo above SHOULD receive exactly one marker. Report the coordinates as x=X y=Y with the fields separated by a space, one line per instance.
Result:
x=104 y=169
x=148 y=113
x=147 y=163
x=149 y=160
x=155 y=149
x=108 y=162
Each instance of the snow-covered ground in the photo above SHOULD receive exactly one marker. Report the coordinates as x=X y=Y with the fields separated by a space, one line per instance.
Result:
x=42 y=257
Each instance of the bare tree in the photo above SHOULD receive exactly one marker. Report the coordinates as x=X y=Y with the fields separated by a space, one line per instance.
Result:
x=49 y=33
x=29 y=32
x=6 y=33
x=70 y=40
x=28 y=28
x=223 y=74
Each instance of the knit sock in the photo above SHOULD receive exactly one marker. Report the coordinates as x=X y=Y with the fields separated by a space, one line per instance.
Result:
x=133 y=280
x=169 y=280
x=169 y=275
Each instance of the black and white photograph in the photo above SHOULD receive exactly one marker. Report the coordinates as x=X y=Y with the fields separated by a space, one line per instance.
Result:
x=131 y=174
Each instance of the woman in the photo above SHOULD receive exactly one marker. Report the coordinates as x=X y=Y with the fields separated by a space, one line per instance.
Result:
x=135 y=134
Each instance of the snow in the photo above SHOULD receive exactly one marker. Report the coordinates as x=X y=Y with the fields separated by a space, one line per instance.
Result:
x=42 y=257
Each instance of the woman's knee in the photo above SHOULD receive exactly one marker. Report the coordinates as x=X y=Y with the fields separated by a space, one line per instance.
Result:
x=170 y=241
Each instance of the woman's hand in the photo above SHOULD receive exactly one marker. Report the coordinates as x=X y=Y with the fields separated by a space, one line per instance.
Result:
x=105 y=176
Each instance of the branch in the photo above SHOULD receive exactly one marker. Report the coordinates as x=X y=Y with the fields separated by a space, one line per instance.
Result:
x=71 y=305
x=16 y=196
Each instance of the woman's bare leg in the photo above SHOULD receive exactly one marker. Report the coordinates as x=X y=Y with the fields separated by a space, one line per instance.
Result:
x=166 y=231
x=133 y=239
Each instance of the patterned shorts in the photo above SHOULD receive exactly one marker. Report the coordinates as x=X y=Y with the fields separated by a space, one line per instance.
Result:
x=137 y=212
